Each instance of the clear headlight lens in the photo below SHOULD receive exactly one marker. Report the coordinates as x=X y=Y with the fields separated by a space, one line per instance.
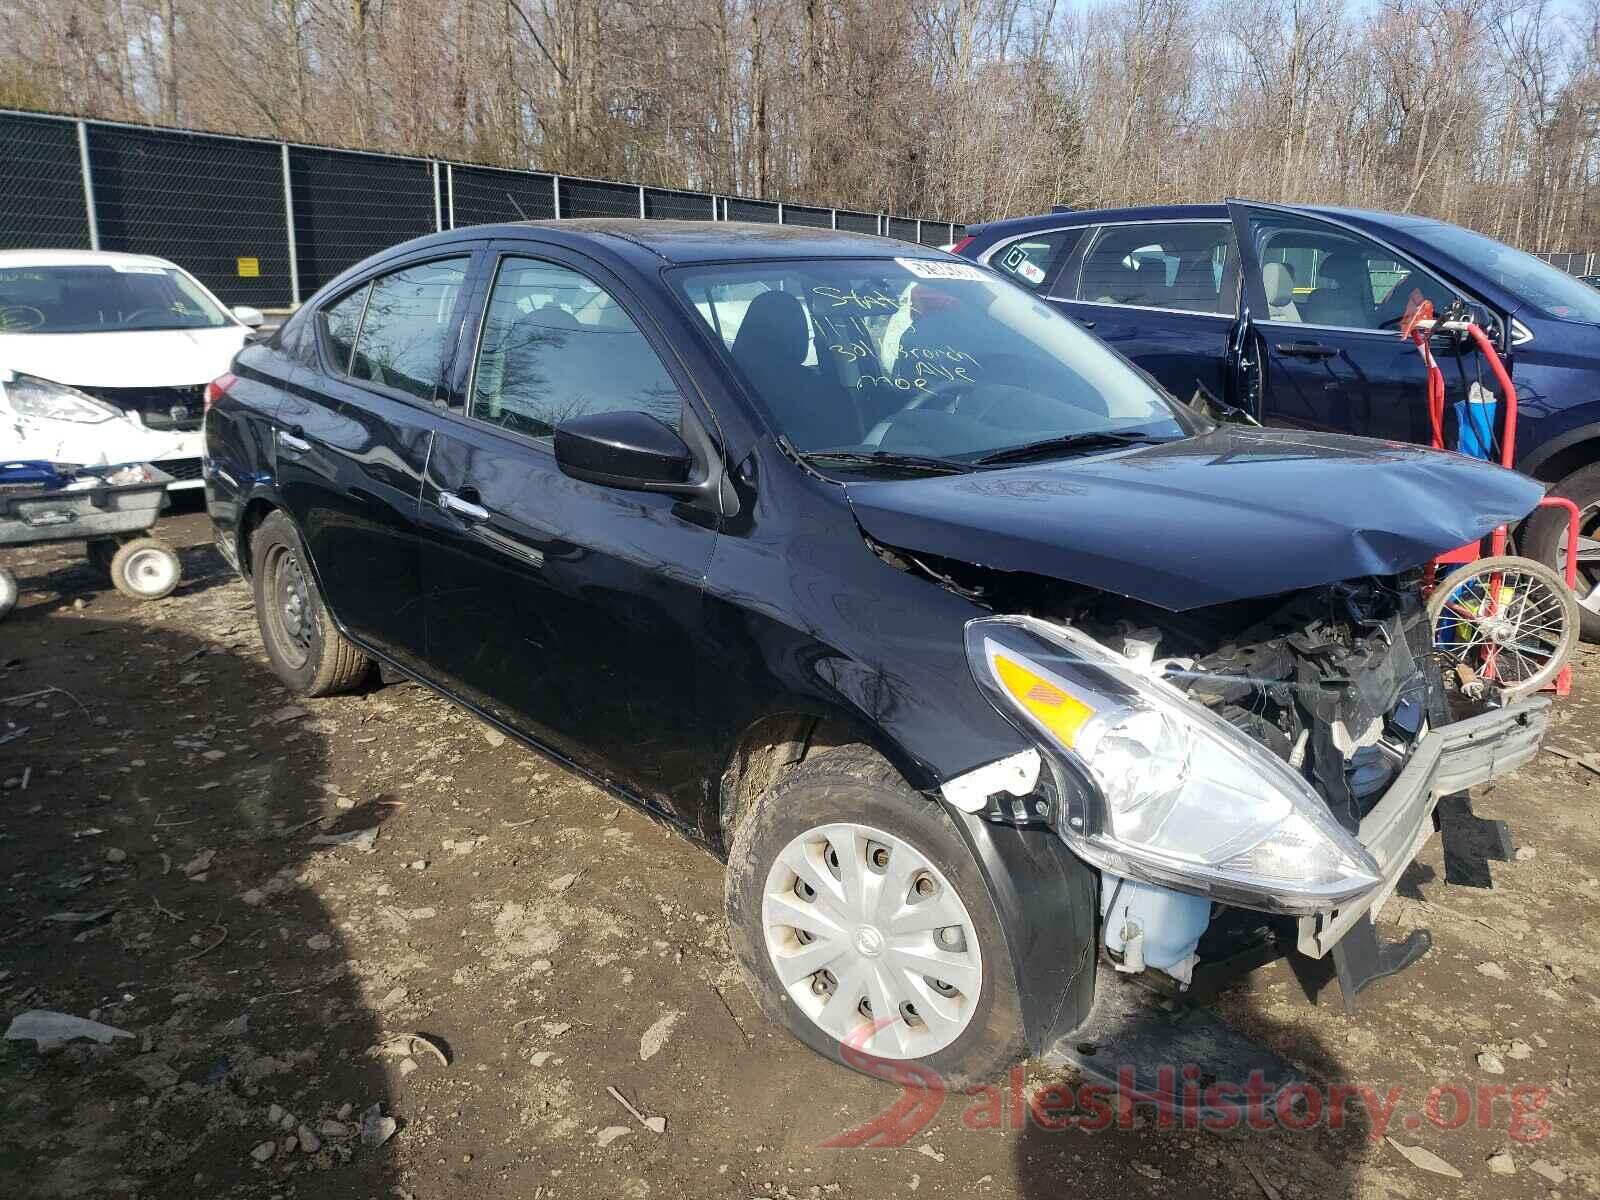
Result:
x=1152 y=786
x=30 y=396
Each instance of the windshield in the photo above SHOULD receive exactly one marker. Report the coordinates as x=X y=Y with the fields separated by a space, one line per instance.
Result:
x=102 y=299
x=907 y=356
x=1547 y=288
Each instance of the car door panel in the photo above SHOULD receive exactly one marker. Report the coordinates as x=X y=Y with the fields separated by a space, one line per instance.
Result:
x=566 y=610
x=1181 y=348
x=350 y=457
x=1315 y=375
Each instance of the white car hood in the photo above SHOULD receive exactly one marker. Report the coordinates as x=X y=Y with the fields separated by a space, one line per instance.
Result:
x=135 y=358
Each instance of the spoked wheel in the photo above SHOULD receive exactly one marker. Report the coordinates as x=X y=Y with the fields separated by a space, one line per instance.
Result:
x=1513 y=621
x=871 y=941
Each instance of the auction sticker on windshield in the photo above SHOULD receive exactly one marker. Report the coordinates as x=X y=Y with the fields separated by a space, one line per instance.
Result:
x=927 y=268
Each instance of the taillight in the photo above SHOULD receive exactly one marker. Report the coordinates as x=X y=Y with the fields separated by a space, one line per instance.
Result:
x=961 y=245
x=216 y=389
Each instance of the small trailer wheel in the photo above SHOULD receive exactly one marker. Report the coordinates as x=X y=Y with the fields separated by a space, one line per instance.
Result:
x=145 y=569
x=8 y=592
x=101 y=552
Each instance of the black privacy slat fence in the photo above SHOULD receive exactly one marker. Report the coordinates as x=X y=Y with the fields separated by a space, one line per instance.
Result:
x=268 y=223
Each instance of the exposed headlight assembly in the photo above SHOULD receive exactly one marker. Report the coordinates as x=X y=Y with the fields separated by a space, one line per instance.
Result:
x=30 y=396
x=1152 y=786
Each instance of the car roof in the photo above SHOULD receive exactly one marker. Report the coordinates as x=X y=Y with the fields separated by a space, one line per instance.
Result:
x=677 y=242
x=79 y=258
x=1067 y=219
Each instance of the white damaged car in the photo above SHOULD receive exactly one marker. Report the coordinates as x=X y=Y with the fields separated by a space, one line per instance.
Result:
x=104 y=359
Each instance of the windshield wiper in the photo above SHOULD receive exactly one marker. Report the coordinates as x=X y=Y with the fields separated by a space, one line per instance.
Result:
x=1071 y=441
x=885 y=458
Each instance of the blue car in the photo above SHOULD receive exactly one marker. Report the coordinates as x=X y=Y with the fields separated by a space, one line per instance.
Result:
x=1292 y=313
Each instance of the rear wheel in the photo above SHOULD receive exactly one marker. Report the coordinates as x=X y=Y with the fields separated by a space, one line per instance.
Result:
x=1545 y=538
x=304 y=646
x=862 y=924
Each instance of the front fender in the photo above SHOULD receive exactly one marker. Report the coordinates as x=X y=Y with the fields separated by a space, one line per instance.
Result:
x=1046 y=899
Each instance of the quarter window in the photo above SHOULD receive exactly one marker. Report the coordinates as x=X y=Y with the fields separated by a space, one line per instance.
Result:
x=1314 y=273
x=340 y=321
x=1032 y=261
x=557 y=345
x=1159 y=264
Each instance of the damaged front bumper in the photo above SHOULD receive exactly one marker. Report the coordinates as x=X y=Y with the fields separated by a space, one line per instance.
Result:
x=1446 y=760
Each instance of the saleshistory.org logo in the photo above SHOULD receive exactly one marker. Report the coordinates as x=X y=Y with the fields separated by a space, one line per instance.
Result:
x=1181 y=1097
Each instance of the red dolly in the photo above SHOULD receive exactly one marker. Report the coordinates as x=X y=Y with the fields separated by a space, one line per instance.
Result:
x=1503 y=619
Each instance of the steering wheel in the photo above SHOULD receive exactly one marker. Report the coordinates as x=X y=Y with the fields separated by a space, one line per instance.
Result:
x=944 y=396
x=130 y=318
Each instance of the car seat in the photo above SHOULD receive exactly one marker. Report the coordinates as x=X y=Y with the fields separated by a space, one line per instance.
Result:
x=1278 y=280
x=771 y=347
x=1343 y=294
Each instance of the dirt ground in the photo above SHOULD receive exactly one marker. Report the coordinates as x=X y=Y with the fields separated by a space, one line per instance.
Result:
x=514 y=944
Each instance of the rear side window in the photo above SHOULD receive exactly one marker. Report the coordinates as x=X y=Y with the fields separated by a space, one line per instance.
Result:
x=1033 y=260
x=557 y=345
x=1159 y=264
x=405 y=332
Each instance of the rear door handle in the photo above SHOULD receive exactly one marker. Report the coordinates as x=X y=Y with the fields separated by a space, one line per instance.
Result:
x=292 y=440
x=1306 y=349
x=1087 y=324
x=453 y=503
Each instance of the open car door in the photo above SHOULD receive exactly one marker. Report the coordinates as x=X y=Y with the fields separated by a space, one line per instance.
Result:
x=1321 y=347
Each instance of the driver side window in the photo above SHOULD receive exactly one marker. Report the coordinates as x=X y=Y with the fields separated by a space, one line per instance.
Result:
x=1318 y=274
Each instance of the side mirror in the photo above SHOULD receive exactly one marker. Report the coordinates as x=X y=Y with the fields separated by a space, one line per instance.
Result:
x=625 y=450
x=246 y=315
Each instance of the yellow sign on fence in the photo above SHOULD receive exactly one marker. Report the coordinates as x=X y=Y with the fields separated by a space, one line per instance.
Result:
x=249 y=268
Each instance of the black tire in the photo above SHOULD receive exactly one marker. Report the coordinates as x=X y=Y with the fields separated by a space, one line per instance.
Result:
x=854 y=784
x=145 y=569
x=304 y=646
x=1543 y=533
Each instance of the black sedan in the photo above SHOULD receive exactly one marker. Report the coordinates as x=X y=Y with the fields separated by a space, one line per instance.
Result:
x=973 y=652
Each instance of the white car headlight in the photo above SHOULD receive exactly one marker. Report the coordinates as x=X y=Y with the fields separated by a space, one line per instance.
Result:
x=31 y=396
x=1152 y=786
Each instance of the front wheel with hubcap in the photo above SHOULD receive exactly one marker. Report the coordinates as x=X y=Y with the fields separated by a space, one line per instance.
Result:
x=862 y=923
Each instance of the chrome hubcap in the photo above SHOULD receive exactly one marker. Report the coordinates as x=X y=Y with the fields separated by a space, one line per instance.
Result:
x=871 y=941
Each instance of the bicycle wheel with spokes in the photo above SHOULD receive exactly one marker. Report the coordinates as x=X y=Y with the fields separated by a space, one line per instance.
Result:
x=1512 y=620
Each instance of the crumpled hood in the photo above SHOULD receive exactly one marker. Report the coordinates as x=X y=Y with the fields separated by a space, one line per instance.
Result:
x=133 y=358
x=1230 y=515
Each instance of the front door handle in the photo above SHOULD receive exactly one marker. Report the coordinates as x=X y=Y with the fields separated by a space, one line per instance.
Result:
x=1306 y=349
x=453 y=503
x=1087 y=324
x=292 y=440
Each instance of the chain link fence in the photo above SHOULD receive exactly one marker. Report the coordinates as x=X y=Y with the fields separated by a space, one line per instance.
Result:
x=1574 y=263
x=267 y=223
